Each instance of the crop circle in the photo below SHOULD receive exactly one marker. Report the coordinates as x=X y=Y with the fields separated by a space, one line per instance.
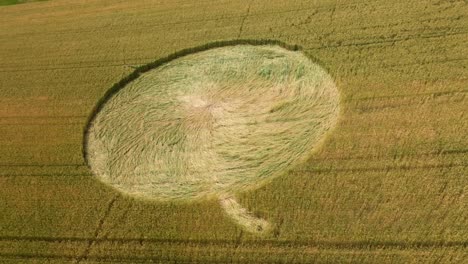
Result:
x=212 y=123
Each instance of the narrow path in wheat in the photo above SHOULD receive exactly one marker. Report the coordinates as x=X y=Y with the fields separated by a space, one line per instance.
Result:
x=243 y=217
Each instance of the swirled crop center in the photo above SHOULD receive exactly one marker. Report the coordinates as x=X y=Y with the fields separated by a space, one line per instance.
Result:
x=212 y=123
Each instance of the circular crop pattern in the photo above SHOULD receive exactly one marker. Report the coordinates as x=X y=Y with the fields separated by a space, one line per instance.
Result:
x=212 y=123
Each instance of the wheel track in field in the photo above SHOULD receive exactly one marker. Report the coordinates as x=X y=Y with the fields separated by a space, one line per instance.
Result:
x=73 y=67
x=375 y=169
x=244 y=18
x=347 y=101
x=253 y=243
x=441 y=152
x=382 y=169
x=310 y=246
x=98 y=230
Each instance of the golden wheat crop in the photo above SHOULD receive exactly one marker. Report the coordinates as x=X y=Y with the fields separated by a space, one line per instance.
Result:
x=387 y=185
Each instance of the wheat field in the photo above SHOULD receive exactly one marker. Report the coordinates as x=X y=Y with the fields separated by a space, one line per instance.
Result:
x=388 y=185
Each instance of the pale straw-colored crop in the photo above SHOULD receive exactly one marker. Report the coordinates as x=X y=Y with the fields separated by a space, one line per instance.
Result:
x=213 y=123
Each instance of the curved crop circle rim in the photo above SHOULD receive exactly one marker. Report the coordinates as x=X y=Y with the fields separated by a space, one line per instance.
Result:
x=116 y=87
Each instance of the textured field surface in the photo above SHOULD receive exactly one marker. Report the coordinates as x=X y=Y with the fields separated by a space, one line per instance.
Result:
x=388 y=186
